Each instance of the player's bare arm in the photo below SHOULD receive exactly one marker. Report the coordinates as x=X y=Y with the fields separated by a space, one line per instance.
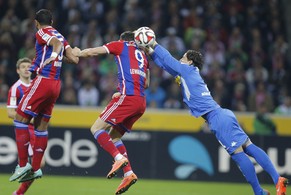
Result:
x=70 y=57
x=11 y=113
x=57 y=46
x=89 y=52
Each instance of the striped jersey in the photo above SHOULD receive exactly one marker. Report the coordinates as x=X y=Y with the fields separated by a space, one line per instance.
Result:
x=15 y=93
x=44 y=51
x=132 y=66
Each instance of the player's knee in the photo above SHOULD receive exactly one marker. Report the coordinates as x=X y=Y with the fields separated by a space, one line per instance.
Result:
x=99 y=125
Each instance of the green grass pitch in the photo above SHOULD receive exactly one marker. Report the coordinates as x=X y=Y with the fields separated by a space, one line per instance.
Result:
x=64 y=185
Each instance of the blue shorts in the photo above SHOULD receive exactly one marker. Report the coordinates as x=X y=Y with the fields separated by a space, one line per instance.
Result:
x=226 y=128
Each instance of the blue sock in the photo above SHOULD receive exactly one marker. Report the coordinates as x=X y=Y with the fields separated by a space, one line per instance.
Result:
x=262 y=158
x=248 y=170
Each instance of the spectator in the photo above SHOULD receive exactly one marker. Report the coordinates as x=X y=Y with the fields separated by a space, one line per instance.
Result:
x=248 y=33
x=285 y=107
x=263 y=124
x=155 y=94
x=173 y=100
x=88 y=94
x=260 y=96
x=172 y=42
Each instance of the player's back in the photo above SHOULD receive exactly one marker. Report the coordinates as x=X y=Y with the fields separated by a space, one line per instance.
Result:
x=44 y=51
x=132 y=67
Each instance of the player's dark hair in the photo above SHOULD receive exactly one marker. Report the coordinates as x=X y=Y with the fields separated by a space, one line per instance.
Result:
x=22 y=60
x=44 y=17
x=196 y=58
x=127 y=36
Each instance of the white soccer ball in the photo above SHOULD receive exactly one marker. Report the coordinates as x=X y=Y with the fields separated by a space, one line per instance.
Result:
x=144 y=36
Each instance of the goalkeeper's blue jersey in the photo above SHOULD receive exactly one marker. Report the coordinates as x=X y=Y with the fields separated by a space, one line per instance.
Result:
x=195 y=92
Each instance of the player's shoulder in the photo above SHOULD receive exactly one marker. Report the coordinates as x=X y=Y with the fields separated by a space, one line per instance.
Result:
x=118 y=42
x=46 y=30
x=15 y=86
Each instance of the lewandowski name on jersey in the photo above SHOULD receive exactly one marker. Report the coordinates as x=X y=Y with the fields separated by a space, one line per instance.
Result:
x=139 y=72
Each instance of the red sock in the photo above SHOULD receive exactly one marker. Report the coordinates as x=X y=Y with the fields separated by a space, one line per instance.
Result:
x=24 y=187
x=122 y=149
x=106 y=143
x=41 y=138
x=22 y=142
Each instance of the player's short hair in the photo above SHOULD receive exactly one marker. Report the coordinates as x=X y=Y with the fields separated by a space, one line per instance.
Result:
x=44 y=17
x=127 y=36
x=22 y=60
x=196 y=58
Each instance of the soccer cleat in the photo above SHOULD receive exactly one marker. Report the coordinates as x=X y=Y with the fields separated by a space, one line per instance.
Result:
x=266 y=192
x=31 y=176
x=116 y=166
x=126 y=183
x=20 y=171
x=281 y=186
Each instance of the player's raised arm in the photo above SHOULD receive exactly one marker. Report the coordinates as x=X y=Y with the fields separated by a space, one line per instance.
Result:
x=169 y=62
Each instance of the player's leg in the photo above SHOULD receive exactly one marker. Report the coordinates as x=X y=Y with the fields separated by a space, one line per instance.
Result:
x=41 y=140
x=22 y=141
x=248 y=170
x=229 y=133
x=40 y=144
x=116 y=139
x=25 y=185
x=264 y=161
x=129 y=177
x=98 y=130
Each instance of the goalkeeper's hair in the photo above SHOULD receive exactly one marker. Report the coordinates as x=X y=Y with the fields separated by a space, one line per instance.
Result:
x=196 y=57
x=44 y=17
x=127 y=36
x=22 y=60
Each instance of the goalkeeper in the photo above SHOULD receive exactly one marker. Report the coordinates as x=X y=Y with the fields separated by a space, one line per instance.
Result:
x=222 y=122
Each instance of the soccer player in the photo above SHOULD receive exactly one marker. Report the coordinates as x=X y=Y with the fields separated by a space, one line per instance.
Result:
x=222 y=122
x=126 y=107
x=38 y=101
x=14 y=96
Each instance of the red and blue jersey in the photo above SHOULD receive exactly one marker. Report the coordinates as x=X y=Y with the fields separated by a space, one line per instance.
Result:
x=44 y=51
x=132 y=67
x=15 y=93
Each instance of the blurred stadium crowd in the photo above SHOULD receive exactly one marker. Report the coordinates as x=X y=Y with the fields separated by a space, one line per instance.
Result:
x=243 y=43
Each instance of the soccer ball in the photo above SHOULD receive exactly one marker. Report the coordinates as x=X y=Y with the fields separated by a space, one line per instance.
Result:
x=144 y=36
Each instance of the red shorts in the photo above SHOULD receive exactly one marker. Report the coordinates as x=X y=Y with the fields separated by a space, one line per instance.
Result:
x=123 y=111
x=40 y=97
